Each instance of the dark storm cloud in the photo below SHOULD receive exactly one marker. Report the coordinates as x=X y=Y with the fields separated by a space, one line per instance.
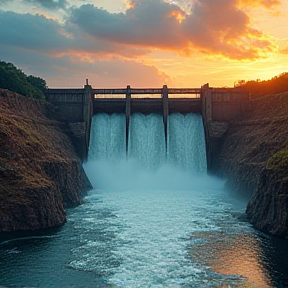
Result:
x=50 y=4
x=37 y=33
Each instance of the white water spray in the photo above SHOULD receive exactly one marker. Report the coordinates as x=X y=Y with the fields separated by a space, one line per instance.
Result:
x=147 y=165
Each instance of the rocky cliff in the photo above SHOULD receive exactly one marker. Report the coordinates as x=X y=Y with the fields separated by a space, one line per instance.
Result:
x=40 y=173
x=253 y=156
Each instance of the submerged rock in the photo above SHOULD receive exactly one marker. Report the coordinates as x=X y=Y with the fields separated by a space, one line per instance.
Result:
x=40 y=173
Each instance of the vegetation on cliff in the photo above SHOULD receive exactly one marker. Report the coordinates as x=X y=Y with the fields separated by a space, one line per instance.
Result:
x=15 y=80
x=279 y=163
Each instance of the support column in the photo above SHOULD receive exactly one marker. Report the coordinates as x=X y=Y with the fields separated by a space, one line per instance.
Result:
x=87 y=115
x=128 y=113
x=165 y=110
x=206 y=95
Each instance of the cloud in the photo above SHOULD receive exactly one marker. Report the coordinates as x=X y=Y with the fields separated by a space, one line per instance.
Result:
x=50 y=4
x=32 y=32
x=265 y=3
x=283 y=46
x=94 y=43
x=284 y=51
x=144 y=26
x=156 y=24
x=104 y=73
x=230 y=36
x=37 y=33
x=45 y=48
x=3 y=2
x=150 y=23
x=71 y=70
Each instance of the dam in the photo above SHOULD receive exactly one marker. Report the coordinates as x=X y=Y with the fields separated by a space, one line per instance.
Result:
x=77 y=106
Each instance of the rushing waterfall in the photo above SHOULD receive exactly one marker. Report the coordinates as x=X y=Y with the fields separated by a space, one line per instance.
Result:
x=108 y=137
x=146 y=144
x=147 y=140
x=186 y=143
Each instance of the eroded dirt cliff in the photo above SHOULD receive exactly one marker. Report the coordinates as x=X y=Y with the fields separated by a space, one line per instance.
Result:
x=246 y=159
x=40 y=173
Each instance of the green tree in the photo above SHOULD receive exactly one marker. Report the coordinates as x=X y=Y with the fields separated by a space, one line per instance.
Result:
x=37 y=82
x=16 y=80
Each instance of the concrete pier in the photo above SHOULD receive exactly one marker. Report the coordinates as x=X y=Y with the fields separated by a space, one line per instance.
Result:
x=128 y=113
x=165 y=105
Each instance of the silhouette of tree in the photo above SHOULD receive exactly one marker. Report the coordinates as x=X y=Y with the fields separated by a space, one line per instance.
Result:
x=277 y=84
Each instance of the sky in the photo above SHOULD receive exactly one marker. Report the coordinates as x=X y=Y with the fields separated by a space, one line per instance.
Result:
x=145 y=43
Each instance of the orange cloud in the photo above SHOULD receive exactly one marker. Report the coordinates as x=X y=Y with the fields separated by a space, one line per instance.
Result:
x=178 y=15
x=284 y=51
x=145 y=26
x=156 y=24
x=255 y=3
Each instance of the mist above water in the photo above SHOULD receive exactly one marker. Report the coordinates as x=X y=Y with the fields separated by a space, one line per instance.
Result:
x=126 y=175
x=147 y=164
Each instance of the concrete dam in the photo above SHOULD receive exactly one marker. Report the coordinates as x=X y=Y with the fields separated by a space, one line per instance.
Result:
x=77 y=107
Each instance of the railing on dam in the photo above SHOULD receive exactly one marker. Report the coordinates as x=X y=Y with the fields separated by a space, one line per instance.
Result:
x=132 y=100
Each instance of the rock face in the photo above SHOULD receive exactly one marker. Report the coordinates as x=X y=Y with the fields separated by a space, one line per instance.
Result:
x=245 y=159
x=268 y=206
x=40 y=173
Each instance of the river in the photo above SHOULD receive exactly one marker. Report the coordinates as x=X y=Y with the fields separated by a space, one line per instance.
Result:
x=153 y=220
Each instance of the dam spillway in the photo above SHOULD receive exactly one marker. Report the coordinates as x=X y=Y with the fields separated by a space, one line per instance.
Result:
x=185 y=147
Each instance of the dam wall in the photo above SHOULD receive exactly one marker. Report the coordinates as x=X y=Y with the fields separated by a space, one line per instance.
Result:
x=76 y=108
x=216 y=105
x=219 y=107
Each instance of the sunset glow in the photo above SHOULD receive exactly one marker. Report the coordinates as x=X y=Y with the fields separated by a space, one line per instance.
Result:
x=145 y=43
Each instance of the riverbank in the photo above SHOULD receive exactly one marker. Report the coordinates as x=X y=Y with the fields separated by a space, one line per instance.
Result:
x=40 y=173
x=253 y=158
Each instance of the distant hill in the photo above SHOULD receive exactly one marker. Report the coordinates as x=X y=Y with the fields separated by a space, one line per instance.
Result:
x=277 y=84
x=16 y=80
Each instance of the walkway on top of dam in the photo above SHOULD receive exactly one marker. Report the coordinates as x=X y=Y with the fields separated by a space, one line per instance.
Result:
x=141 y=91
x=116 y=100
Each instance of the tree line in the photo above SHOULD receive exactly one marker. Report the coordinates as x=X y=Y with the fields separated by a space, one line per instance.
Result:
x=275 y=85
x=16 y=80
